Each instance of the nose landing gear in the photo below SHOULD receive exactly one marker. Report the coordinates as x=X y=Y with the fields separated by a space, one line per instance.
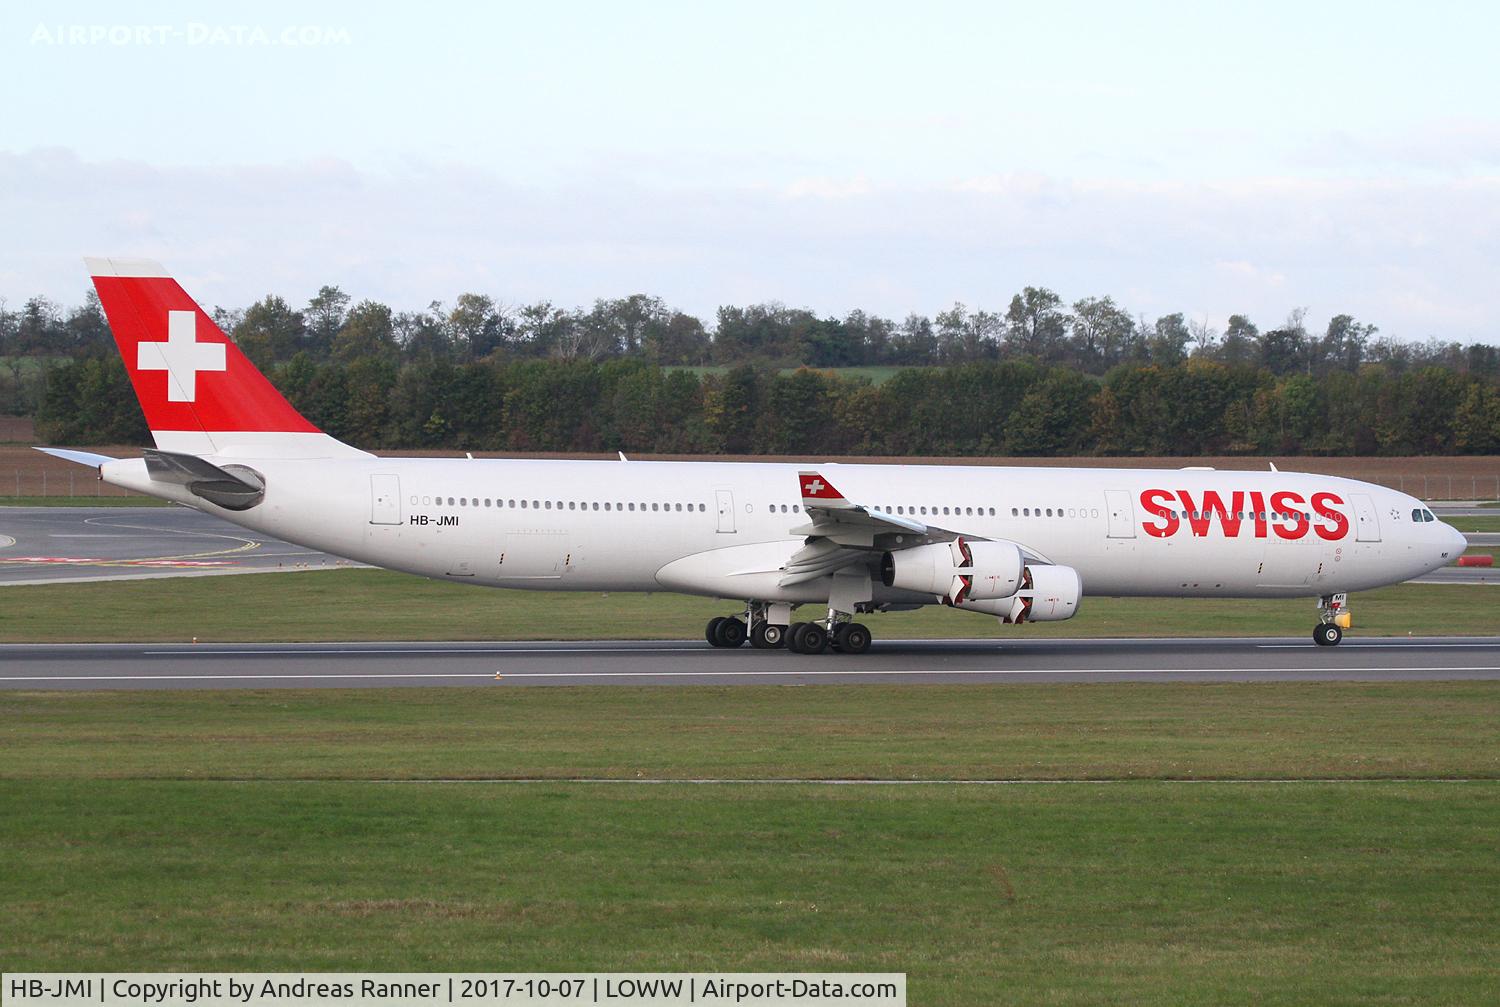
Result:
x=1327 y=635
x=1333 y=619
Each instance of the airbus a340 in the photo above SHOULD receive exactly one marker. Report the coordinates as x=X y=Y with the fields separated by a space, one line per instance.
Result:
x=1021 y=544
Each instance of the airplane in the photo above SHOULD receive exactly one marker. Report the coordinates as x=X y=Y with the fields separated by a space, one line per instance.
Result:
x=1019 y=544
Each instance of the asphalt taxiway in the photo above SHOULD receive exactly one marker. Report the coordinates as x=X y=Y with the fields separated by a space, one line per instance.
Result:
x=60 y=545
x=519 y=665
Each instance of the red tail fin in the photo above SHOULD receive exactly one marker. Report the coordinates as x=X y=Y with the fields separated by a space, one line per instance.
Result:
x=198 y=391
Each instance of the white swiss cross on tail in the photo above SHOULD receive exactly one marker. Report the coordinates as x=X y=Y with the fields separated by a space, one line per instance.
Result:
x=181 y=356
x=817 y=491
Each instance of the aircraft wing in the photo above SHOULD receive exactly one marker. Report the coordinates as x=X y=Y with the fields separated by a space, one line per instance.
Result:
x=841 y=533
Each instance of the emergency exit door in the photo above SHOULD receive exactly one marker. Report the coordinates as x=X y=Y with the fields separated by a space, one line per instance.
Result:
x=1121 y=514
x=726 y=511
x=385 y=499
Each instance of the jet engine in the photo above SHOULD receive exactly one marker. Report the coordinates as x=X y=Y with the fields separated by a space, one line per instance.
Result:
x=1047 y=594
x=956 y=571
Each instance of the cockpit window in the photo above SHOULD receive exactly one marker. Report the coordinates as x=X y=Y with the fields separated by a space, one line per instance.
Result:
x=1416 y=515
x=1427 y=516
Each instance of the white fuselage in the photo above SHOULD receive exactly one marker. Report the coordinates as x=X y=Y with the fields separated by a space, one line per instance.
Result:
x=723 y=529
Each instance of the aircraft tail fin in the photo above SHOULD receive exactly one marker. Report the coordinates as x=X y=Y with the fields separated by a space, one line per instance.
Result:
x=200 y=394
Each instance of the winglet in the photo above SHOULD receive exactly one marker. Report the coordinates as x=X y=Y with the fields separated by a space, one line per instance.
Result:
x=818 y=492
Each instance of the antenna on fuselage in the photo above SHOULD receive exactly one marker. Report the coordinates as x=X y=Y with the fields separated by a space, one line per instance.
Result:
x=622 y=456
x=1273 y=467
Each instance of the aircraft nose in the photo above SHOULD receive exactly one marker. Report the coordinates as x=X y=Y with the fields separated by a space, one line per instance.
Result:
x=1459 y=543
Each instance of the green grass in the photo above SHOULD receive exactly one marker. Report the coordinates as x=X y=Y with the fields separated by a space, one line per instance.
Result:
x=379 y=605
x=1266 y=730
x=82 y=501
x=116 y=853
x=1142 y=894
x=1481 y=522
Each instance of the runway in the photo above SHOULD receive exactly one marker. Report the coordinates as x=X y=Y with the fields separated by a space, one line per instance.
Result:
x=64 y=545
x=678 y=663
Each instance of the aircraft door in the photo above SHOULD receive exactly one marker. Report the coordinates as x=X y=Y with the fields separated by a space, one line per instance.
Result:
x=385 y=499
x=1121 y=514
x=726 y=511
x=1366 y=520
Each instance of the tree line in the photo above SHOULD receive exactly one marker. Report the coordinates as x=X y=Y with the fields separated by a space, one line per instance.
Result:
x=1043 y=378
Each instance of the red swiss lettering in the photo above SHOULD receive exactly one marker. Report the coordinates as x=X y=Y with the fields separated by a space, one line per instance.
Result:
x=1258 y=512
x=1288 y=504
x=1322 y=504
x=1151 y=505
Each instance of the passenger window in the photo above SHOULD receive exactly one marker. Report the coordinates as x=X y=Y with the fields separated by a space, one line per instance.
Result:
x=549 y=504
x=523 y=504
x=427 y=500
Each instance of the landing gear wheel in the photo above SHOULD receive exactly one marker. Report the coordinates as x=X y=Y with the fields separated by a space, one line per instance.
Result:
x=851 y=638
x=729 y=633
x=766 y=636
x=808 y=638
x=794 y=637
x=711 y=633
x=1327 y=635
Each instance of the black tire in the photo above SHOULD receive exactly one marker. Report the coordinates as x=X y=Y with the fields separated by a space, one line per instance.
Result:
x=852 y=638
x=766 y=636
x=794 y=636
x=730 y=633
x=814 y=639
x=1327 y=635
x=711 y=633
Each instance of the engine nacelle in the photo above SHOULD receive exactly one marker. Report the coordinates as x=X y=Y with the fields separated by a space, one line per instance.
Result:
x=1048 y=594
x=958 y=571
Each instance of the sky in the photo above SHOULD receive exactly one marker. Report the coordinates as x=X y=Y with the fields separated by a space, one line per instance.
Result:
x=1206 y=158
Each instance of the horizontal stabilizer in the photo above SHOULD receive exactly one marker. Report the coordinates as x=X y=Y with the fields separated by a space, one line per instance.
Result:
x=233 y=487
x=81 y=457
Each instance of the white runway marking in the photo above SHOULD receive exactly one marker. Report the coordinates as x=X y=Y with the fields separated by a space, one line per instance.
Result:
x=833 y=673
x=450 y=651
x=921 y=782
x=1369 y=646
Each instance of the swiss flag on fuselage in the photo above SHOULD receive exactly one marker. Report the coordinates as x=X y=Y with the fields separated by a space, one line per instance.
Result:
x=186 y=372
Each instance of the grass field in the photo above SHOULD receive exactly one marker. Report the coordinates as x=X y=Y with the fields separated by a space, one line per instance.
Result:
x=117 y=853
x=134 y=500
x=379 y=605
x=1476 y=523
x=1135 y=731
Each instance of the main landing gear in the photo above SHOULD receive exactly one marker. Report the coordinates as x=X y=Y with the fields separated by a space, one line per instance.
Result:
x=757 y=626
x=1333 y=619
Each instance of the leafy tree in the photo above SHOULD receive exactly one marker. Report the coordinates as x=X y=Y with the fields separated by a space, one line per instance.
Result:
x=1101 y=331
x=368 y=331
x=324 y=317
x=1035 y=323
x=269 y=332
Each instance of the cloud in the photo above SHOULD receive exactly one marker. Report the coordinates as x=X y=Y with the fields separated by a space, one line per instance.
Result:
x=1412 y=256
